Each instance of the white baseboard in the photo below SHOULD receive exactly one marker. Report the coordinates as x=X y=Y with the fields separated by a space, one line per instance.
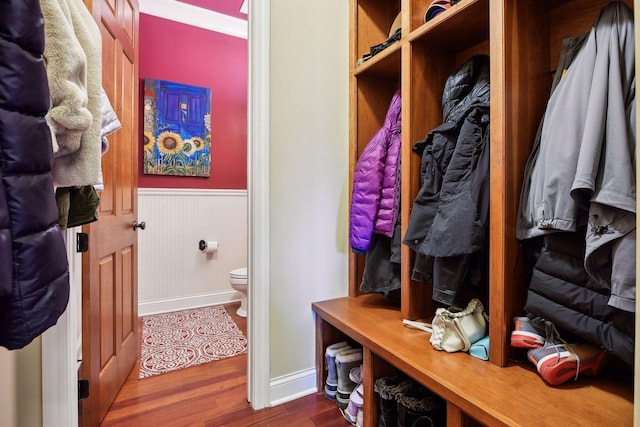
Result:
x=293 y=386
x=146 y=308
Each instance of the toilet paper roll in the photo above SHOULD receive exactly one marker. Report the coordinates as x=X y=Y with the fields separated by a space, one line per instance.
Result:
x=208 y=247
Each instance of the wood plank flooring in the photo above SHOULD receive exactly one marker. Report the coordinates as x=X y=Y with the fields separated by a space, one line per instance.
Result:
x=211 y=395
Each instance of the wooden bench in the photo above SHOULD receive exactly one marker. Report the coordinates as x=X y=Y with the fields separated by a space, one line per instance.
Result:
x=476 y=391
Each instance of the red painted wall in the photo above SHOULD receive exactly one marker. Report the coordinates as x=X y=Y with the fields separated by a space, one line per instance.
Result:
x=186 y=54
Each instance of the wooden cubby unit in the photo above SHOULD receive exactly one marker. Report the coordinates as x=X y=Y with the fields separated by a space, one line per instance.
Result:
x=523 y=40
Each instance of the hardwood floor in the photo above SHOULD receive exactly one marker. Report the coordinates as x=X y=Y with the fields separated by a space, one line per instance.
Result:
x=211 y=395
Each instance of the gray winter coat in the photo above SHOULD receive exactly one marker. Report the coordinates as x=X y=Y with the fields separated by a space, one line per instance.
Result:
x=584 y=166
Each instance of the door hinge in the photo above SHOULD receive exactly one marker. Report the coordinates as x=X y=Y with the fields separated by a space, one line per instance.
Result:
x=83 y=389
x=82 y=242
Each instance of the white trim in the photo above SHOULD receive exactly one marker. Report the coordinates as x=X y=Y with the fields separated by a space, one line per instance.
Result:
x=258 y=371
x=189 y=192
x=244 y=8
x=195 y=16
x=59 y=353
x=59 y=375
x=293 y=386
x=184 y=303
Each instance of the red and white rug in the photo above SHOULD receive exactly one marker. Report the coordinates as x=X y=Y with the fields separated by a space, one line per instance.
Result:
x=177 y=340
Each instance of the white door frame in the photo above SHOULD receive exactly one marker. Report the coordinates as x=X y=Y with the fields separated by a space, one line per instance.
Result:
x=258 y=164
x=61 y=351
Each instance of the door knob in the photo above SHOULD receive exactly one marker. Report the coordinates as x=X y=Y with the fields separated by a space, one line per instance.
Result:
x=140 y=225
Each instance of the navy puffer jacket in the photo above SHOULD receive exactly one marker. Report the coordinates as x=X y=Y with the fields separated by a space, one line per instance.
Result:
x=376 y=182
x=34 y=277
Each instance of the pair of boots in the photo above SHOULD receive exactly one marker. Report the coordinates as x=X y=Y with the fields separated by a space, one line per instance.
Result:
x=353 y=412
x=405 y=403
x=340 y=359
x=555 y=360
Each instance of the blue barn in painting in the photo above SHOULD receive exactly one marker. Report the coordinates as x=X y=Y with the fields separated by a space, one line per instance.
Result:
x=182 y=108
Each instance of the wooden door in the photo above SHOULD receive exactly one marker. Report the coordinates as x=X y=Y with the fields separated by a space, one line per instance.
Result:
x=110 y=299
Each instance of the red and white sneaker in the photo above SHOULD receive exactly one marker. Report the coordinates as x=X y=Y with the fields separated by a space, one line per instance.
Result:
x=560 y=362
x=529 y=333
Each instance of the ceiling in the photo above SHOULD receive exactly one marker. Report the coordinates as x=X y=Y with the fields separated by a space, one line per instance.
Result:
x=222 y=16
x=226 y=7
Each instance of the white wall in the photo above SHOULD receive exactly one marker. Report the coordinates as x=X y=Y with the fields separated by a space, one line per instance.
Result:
x=173 y=273
x=309 y=172
x=20 y=389
x=8 y=392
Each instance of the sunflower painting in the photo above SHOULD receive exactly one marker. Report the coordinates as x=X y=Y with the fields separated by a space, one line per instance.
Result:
x=177 y=129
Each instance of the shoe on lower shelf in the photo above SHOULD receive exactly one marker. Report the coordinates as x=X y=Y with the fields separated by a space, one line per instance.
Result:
x=534 y=332
x=356 y=401
x=355 y=374
x=528 y=333
x=345 y=361
x=559 y=363
x=331 y=383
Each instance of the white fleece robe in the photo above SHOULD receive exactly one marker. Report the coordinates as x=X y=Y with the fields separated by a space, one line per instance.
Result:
x=73 y=54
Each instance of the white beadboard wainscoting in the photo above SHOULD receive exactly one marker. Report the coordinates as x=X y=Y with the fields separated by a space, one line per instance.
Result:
x=173 y=274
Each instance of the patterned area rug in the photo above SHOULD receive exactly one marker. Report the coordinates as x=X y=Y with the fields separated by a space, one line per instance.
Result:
x=177 y=340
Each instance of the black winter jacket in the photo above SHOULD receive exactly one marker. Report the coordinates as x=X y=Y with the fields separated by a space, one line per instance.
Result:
x=562 y=292
x=34 y=277
x=449 y=219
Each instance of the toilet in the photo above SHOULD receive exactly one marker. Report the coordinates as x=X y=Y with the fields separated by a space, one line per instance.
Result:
x=238 y=280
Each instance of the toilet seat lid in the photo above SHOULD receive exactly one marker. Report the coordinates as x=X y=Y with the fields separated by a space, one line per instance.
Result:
x=239 y=273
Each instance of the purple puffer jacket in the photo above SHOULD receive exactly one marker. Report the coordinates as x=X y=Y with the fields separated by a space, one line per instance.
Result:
x=34 y=277
x=376 y=182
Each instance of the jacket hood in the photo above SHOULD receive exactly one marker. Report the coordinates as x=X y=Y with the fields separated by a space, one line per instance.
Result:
x=469 y=85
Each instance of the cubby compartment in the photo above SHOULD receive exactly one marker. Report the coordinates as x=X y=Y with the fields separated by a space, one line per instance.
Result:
x=384 y=64
x=371 y=22
x=523 y=41
x=379 y=369
x=417 y=10
x=453 y=28
x=436 y=50
x=372 y=90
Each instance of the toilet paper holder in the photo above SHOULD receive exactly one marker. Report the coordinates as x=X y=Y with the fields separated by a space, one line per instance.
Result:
x=208 y=247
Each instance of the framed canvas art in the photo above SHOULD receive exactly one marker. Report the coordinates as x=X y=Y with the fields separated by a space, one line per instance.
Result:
x=177 y=129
